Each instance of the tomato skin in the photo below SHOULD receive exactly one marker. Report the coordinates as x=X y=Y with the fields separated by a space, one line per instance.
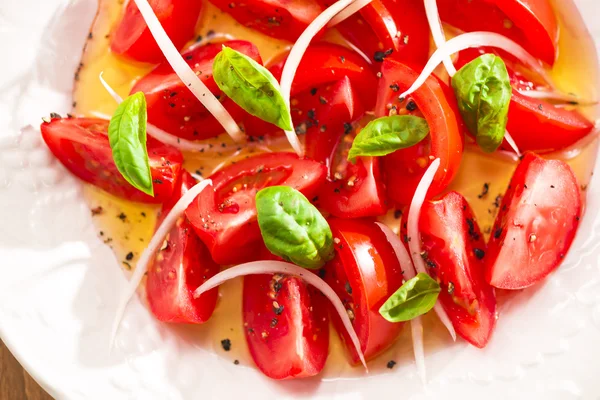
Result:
x=405 y=168
x=81 y=145
x=173 y=108
x=281 y=19
x=132 y=38
x=179 y=268
x=364 y=273
x=536 y=225
x=451 y=241
x=226 y=217
x=280 y=314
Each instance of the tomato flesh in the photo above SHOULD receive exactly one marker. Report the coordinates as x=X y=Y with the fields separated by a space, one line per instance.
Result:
x=364 y=273
x=454 y=251
x=172 y=106
x=132 y=38
x=536 y=225
x=286 y=326
x=182 y=265
x=81 y=145
x=225 y=218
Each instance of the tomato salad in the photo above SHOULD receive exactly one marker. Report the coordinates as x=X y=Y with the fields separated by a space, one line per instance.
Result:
x=351 y=216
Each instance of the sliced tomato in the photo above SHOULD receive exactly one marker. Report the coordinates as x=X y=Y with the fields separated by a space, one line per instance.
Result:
x=132 y=38
x=364 y=273
x=286 y=326
x=536 y=225
x=81 y=145
x=225 y=218
x=173 y=107
x=281 y=19
x=389 y=28
x=433 y=101
x=454 y=251
x=531 y=23
x=182 y=265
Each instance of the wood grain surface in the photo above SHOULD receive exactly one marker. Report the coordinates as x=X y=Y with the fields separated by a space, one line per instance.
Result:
x=15 y=382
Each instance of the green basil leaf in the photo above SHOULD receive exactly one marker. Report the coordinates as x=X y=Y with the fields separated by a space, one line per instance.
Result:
x=127 y=138
x=252 y=87
x=292 y=228
x=388 y=134
x=416 y=297
x=483 y=91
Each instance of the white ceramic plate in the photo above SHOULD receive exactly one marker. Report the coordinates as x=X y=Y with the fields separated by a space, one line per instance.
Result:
x=59 y=283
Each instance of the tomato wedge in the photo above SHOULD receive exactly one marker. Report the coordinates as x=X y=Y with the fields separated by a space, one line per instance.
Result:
x=286 y=326
x=225 y=219
x=531 y=23
x=81 y=145
x=432 y=101
x=281 y=19
x=173 y=108
x=182 y=265
x=536 y=225
x=132 y=38
x=364 y=273
x=454 y=251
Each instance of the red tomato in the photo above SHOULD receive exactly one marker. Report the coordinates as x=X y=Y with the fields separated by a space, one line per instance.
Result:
x=172 y=107
x=405 y=168
x=286 y=326
x=226 y=218
x=364 y=273
x=454 y=252
x=396 y=28
x=531 y=23
x=81 y=145
x=281 y=19
x=536 y=225
x=133 y=39
x=179 y=268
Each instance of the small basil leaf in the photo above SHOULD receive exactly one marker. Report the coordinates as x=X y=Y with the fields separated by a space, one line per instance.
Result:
x=416 y=297
x=127 y=138
x=483 y=91
x=252 y=87
x=292 y=228
x=388 y=134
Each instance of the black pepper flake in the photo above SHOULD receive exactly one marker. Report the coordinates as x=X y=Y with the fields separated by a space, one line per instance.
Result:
x=379 y=56
x=321 y=273
x=313 y=91
x=411 y=106
x=391 y=364
x=394 y=87
x=348 y=288
x=347 y=128
x=129 y=256
x=552 y=186
x=122 y=216
x=450 y=288
x=143 y=214
x=274 y=322
x=278 y=310
x=525 y=186
x=498 y=233
x=236 y=362
x=479 y=253
x=472 y=233
x=127 y=265
x=172 y=105
x=157 y=181
x=277 y=286
x=90 y=35
x=484 y=191
x=342 y=59
x=97 y=211
x=310 y=114
x=55 y=115
x=541 y=107
x=397 y=214
x=322 y=100
x=226 y=344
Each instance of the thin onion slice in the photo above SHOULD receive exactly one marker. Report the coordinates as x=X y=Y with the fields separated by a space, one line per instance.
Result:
x=280 y=267
x=187 y=74
x=296 y=54
x=414 y=241
x=568 y=99
x=416 y=324
x=149 y=252
x=511 y=142
x=477 y=39
x=354 y=7
x=437 y=31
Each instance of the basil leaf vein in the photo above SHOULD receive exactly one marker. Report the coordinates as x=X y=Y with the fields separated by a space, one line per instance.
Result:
x=127 y=139
x=292 y=228
x=252 y=87
x=483 y=92
x=388 y=134
x=415 y=297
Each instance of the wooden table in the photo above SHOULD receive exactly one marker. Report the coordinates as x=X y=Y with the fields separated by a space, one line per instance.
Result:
x=15 y=383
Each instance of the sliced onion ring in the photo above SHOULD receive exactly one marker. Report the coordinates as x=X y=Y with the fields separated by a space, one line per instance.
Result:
x=568 y=99
x=354 y=7
x=280 y=267
x=414 y=242
x=511 y=142
x=437 y=31
x=147 y=255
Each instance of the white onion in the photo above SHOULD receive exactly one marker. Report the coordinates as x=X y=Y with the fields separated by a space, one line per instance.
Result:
x=437 y=31
x=414 y=237
x=557 y=96
x=354 y=7
x=109 y=89
x=280 y=267
x=149 y=252
x=296 y=54
x=187 y=74
x=511 y=142
x=477 y=39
